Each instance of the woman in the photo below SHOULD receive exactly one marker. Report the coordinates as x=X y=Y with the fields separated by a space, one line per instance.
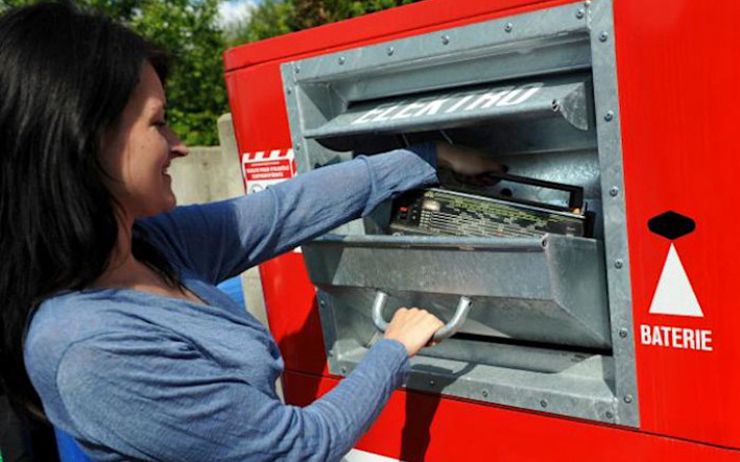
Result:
x=110 y=307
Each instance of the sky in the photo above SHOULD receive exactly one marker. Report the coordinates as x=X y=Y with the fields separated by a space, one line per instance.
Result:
x=235 y=11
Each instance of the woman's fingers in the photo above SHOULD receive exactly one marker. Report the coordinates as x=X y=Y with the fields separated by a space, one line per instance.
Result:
x=413 y=327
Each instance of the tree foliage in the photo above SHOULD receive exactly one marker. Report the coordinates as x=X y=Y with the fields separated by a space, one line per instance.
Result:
x=196 y=94
x=270 y=19
x=190 y=30
x=276 y=17
x=312 y=13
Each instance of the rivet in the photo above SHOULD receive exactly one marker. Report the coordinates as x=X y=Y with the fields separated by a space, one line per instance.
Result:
x=390 y=51
x=627 y=399
x=289 y=91
x=484 y=393
x=603 y=36
x=342 y=60
x=580 y=13
x=618 y=263
x=623 y=332
x=609 y=415
x=297 y=147
x=297 y=70
x=613 y=191
x=344 y=370
x=609 y=116
x=445 y=39
x=543 y=403
x=322 y=303
x=508 y=27
x=431 y=383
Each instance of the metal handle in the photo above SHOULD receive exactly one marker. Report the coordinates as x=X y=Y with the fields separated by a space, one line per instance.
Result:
x=449 y=329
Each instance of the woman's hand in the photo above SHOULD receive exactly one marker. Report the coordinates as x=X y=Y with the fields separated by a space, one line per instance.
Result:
x=413 y=327
x=466 y=161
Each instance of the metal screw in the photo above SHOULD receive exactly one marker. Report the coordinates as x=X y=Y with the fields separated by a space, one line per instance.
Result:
x=609 y=415
x=627 y=399
x=445 y=39
x=485 y=393
x=508 y=27
x=609 y=116
x=543 y=403
x=623 y=332
x=297 y=147
x=603 y=36
x=614 y=191
x=344 y=370
x=289 y=91
x=580 y=13
x=322 y=303
x=342 y=60
x=390 y=51
x=618 y=263
x=431 y=383
x=297 y=70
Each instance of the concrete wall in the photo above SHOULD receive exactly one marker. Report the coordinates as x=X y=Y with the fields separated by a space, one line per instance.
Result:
x=207 y=174
x=211 y=174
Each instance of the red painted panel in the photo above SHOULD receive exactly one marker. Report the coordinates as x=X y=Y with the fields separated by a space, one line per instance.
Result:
x=292 y=313
x=418 y=427
x=678 y=74
x=410 y=20
x=676 y=68
x=258 y=108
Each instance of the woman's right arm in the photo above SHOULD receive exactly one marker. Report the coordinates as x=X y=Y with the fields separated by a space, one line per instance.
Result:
x=221 y=239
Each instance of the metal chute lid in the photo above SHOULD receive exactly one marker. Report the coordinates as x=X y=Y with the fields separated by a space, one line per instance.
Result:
x=563 y=98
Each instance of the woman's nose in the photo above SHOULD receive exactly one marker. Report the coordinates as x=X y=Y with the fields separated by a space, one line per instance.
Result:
x=180 y=149
x=177 y=147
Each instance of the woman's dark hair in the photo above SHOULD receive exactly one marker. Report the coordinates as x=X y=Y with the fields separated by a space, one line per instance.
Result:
x=65 y=78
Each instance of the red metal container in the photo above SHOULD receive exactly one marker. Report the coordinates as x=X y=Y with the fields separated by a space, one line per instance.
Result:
x=676 y=70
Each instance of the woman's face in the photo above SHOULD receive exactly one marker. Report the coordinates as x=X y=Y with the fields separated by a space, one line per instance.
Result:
x=137 y=154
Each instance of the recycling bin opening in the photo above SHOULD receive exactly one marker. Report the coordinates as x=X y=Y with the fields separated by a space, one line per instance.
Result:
x=512 y=262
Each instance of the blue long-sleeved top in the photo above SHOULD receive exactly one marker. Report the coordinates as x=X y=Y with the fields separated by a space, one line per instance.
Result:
x=137 y=376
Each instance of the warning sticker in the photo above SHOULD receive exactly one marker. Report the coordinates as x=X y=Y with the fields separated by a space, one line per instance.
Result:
x=674 y=294
x=262 y=169
x=267 y=171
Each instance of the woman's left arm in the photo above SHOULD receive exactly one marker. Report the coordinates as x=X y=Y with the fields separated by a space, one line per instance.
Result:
x=222 y=239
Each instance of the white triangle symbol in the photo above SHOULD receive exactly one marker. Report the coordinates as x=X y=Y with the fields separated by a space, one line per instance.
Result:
x=674 y=294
